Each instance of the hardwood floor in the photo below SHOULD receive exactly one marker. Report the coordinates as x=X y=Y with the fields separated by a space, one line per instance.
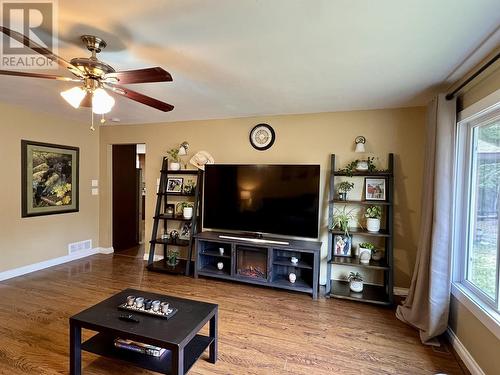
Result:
x=261 y=331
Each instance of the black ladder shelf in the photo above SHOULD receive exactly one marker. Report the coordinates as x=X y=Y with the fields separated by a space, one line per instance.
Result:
x=184 y=264
x=377 y=294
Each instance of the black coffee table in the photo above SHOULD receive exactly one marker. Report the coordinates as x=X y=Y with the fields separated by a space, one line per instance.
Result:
x=179 y=334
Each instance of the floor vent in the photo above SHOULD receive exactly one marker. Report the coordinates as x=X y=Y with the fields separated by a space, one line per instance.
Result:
x=79 y=246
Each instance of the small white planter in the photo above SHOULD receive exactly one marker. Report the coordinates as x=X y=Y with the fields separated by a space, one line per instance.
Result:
x=356 y=286
x=292 y=277
x=220 y=265
x=174 y=166
x=187 y=212
x=372 y=225
x=377 y=254
x=364 y=255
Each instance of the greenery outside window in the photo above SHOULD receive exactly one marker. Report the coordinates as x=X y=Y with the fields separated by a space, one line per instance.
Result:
x=477 y=225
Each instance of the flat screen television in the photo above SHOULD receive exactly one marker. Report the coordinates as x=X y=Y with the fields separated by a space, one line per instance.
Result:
x=271 y=199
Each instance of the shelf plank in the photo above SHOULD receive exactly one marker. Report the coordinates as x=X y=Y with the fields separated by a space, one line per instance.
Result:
x=168 y=241
x=371 y=293
x=299 y=284
x=213 y=270
x=176 y=194
x=172 y=217
x=215 y=253
x=181 y=172
x=354 y=262
x=162 y=266
x=103 y=345
x=363 y=202
x=285 y=261
x=364 y=174
x=362 y=232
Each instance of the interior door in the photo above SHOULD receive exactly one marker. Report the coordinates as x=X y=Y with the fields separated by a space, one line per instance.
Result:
x=125 y=197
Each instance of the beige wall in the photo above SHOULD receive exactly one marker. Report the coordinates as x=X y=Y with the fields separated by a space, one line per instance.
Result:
x=479 y=341
x=483 y=345
x=25 y=241
x=309 y=138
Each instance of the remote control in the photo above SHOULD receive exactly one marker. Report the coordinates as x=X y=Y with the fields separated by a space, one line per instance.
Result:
x=129 y=318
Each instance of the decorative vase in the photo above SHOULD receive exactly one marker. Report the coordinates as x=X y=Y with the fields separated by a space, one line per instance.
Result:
x=356 y=286
x=364 y=255
x=221 y=250
x=174 y=166
x=342 y=196
x=187 y=212
x=292 y=277
x=220 y=265
x=372 y=225
x=362 y=165
x=377 y=254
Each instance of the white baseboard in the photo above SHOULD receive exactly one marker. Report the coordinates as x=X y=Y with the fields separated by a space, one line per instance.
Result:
x=464 y=354
x=155 y=258
x=106 y=250
x=9 y=274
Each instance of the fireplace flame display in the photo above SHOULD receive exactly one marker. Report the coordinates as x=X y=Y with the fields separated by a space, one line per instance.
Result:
x=252 y=263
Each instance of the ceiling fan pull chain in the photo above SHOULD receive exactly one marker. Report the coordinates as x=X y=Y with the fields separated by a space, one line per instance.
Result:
x=92 y=121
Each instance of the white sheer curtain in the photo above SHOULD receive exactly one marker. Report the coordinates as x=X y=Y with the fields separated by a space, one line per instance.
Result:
x=427 y=304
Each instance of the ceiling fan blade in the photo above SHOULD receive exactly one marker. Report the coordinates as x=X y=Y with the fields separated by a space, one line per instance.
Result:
x=41 y=50
x=138 y=97
x=146 y=75
x=37 y=75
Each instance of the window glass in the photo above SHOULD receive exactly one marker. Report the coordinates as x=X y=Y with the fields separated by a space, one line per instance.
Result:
x=483 y=236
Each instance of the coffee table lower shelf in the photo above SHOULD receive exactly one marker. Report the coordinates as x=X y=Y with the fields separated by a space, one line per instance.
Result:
x=103 y=344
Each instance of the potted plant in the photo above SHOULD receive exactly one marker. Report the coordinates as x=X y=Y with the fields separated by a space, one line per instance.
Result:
x=187 y=209
x=355 y=282
x=373 y=215
x=188 y=188
x=175 y=160
x=360 y=166
x=343 y=188
x=365 y=252
x=172 y=258
x=340 y=220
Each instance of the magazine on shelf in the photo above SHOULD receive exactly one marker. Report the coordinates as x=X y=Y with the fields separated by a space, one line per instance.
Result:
x=139 y=347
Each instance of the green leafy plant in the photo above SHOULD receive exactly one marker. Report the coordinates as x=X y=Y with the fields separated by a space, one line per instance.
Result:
x=173 y=155
x=181 y=206
x=367 y=245
x=172 y=257
x=350 y=168
x=345 y=186
x=189 y=187
x=341 y=220
x=355 y=276
x=373 y=212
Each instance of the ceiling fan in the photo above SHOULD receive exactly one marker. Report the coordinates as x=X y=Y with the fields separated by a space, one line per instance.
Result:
x=94 y=76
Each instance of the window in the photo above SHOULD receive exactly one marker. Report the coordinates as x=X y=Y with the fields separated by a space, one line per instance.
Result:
x=477 y=245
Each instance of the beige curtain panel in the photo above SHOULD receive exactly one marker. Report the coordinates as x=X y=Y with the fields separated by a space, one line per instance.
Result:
x=428 y=301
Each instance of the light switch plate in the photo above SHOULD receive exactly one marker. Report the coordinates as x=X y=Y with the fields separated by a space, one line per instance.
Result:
x=95 y=183
x=95 y=191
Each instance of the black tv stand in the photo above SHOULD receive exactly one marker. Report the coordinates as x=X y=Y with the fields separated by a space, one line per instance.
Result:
x=258 y=260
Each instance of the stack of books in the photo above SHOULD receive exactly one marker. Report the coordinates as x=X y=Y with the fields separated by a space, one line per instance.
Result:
x=139 y=347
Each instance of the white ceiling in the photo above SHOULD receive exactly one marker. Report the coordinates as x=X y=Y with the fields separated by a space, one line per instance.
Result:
x=259 y=57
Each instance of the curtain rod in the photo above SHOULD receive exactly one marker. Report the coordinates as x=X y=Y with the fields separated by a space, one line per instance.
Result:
x=452 y=94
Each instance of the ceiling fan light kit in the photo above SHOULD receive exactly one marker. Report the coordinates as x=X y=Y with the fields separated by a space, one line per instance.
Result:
x=95 y=76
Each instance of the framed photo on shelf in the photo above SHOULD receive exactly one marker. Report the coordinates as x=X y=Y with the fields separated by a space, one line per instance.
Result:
x=174 y=185
x=375 y=189
x=342 y=245
x=49 y=175
x=170 y=209
x=186 y=231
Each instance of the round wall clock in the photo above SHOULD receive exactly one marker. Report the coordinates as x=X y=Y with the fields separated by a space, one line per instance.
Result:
x=262 y=137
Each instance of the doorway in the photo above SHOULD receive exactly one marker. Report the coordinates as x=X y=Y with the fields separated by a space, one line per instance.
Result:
x=128 y=203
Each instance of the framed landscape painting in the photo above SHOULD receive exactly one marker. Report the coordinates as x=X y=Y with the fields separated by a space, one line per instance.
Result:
x=49 y=178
